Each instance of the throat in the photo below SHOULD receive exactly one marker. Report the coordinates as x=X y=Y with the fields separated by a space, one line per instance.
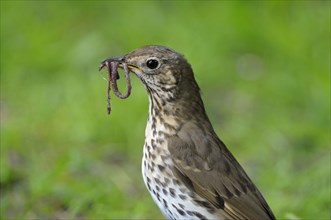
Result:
x=163 y=119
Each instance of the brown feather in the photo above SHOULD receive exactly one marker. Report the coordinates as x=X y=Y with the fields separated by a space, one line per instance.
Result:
x=225 y=178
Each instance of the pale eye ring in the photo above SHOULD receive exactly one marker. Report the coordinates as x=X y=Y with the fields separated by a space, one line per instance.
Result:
x=152 y=63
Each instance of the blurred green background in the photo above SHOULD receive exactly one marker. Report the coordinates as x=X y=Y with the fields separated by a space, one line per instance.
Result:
x=263 y=67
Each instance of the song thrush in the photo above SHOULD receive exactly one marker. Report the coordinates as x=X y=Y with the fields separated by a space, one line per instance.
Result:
x=187 y=169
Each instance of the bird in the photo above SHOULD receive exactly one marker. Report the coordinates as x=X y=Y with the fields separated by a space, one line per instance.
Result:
x=186 y=167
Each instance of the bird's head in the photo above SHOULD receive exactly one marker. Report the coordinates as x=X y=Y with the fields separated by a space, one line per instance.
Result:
x=164 y=72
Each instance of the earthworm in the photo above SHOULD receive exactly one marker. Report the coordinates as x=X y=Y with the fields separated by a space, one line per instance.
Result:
x=113 y=76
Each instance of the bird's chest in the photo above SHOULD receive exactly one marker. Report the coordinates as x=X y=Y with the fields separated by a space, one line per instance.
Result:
x=171 y=195
x=157 y=167
x=156 y=162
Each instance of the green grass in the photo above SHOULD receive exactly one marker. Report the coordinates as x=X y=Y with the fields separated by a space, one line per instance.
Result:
x=263 y=67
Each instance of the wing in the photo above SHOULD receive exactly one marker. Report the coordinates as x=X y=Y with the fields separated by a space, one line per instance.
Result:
x=205 y=165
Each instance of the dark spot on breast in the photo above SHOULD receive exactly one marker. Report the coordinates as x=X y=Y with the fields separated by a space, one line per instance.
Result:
x=171 y=99
x=191 y=194
x=157 y=181
x=183 y=197
x=165 y=204
x=161 y=168
x=181 y=205
x=153 y=144
x=164 y=134
x=189 y=213
x=181 y=212
x=176 y=181
x=160 y=141
x=172 y=192
x=149 y=187
x=154 y=120
x=161 y=120
x=200 y=216
x=165 y=192
x=157 y=107
x=157 y=188
x=166 y=112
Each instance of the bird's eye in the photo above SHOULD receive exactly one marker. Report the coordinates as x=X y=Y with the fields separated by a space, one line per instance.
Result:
x=152 y=63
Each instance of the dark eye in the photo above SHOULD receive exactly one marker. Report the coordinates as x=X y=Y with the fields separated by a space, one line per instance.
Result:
x=152 y=63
